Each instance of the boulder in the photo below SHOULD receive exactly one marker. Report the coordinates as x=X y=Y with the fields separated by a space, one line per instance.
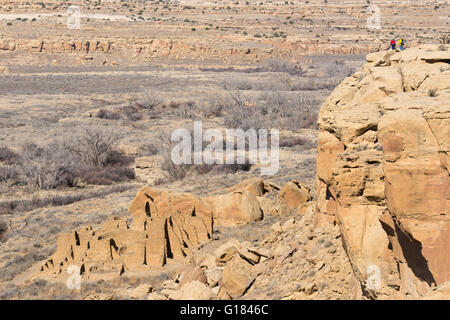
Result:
x=266 y=204
x=238 y=276
x=192 y=274
x=257 y=186
x=233 y=247
x=156 y=296
x=214 y=276
x=140 y=292
x=205 y=260
x=227 y=251
x=194 y=290
x=98 y=296
x=441 y=292
x=292 y=195
x=235 y=208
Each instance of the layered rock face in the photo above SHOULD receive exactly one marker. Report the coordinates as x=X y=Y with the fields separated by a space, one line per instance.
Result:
x=55 y=46
x=179 y=49
x=383 y=170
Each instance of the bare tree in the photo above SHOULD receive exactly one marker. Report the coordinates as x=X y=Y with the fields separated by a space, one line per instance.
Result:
x=93 y=145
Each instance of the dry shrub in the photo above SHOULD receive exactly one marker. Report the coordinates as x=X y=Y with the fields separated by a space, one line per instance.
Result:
x=284 y=110
x=312 y=84
x=131 y=113
x=86 y=157
x=177 y=172
x=47 y=167
x=118 y=159
x=151 y=100
x=230 y=168
x=150 y=149
x=186 y=110
x=213 y=106
x=240 y=84
x=157 y=108
x=240 y=115
x=295 y=111
x=172 y=104
x=58 y=200
x=277 y=65
x=3 y=230
x=8 y=156
x=339 y=69
x=93 y=146
x=178 y=109
x=108 y=114
x=280 y=83
x=105 y=175
x=8 y=173
x=19 y=264
x=293 y=141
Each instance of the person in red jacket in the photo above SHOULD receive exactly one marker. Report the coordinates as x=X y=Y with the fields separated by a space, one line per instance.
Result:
x=393 y=44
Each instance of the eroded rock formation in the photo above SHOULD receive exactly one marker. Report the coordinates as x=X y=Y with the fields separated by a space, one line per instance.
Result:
x=166 y=227
x=383 y=170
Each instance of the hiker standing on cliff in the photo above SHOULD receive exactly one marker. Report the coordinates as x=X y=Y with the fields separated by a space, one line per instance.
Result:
x=401 y=44
x=393 y=44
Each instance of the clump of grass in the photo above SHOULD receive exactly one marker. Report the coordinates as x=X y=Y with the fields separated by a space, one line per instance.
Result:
x=58 y=200
x=432 y=92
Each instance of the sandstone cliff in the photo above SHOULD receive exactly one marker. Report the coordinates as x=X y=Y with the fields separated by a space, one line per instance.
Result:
x=178 y=49
x=383 y=170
